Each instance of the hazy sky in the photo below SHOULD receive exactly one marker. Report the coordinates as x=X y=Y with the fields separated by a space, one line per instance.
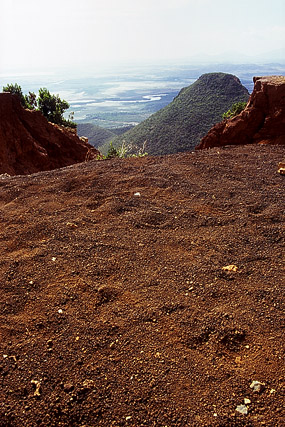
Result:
x=44 y=34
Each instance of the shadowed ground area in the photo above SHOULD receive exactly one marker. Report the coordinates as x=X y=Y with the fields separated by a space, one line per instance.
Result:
x=144 y=292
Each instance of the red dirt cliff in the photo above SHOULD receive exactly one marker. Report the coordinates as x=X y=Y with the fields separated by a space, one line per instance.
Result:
x=261 y=122
x=29 y=143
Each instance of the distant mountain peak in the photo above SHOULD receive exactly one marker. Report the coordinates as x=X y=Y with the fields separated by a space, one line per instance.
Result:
x=181 y=124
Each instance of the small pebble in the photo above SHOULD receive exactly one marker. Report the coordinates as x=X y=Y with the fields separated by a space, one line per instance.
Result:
x=60 y=311
x=37 y=385
x=242 y=409
x=137 y=194
x=257 y=386
x=230 y=267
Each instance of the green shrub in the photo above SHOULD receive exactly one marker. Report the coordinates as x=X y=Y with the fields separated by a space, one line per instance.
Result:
x=124 y=150
x=27 y=101
x=235 y=109
x=112 y=152
x=51 y=106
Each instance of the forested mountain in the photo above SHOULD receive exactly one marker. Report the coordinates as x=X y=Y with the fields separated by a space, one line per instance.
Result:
x=96 y=135
x=180 y=125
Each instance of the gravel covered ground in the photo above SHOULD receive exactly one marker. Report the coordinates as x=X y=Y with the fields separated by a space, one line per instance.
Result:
x=145 y=292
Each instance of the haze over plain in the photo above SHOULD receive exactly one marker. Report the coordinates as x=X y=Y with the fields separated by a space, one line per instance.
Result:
x=89 y=35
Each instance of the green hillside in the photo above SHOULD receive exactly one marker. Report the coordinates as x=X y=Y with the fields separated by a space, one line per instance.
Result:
x=181 y=124
x=96 y=135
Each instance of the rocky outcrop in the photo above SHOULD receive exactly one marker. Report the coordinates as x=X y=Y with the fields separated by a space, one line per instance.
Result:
x=261 y=122
x=29 y=143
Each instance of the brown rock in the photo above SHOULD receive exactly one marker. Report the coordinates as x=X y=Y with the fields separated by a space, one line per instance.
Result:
x=261 y=122
x=29 y=143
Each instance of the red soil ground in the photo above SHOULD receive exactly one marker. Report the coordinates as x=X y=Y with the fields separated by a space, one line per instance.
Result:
x=116 y=308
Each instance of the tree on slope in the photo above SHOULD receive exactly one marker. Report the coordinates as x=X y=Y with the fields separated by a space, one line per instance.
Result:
x=27 y=101
x=52 y=107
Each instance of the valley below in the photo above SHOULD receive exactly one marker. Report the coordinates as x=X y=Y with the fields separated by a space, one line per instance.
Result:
x=127 y=96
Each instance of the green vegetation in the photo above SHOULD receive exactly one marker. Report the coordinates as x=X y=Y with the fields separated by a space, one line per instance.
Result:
x=181 y=124
x=123 y=151
x=121 y=130
x=113 y=152
x=96 y=135
x=100 y=137
x=27 y=101
x=235 y=109
x=51 y=106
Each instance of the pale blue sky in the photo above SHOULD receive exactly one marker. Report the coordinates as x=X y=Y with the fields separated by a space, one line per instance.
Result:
x=41 y=34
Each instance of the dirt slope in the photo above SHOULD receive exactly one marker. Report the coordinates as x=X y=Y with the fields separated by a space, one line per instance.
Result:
x=29 y=143
x=116 y=309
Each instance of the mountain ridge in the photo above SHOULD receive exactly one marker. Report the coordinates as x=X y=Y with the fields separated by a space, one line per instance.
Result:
x=96 y=135
x=181 y=124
